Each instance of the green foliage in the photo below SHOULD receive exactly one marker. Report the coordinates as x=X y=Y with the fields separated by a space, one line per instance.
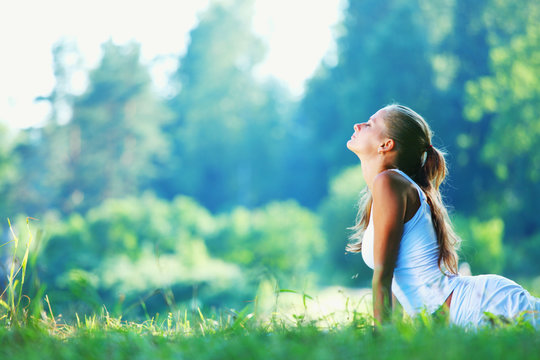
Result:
x=229 y=131
x=82 y=286
x=510 y=97
x=127 y=247
x=116 y=122
x=338 y=213
x=523 y=259
x=8 y=171
x=482 y=243
x=283 y=239
x=110 y=145
x=180 y=271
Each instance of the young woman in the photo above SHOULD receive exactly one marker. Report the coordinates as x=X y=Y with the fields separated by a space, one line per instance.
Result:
x=404 y=232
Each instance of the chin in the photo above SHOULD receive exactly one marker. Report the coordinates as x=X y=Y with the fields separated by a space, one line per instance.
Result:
x=350 y=145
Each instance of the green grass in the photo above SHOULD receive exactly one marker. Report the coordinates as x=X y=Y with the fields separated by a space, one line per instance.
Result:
x=298 y=326
x=115 y=340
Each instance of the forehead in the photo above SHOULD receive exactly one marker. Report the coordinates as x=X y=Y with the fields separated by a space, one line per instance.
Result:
x=378 y=116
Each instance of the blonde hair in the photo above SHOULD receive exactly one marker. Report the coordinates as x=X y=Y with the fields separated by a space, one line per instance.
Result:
x=425 y=164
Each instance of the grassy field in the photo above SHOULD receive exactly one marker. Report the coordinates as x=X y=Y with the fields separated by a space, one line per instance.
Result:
x=243 y=337
x=287 y=324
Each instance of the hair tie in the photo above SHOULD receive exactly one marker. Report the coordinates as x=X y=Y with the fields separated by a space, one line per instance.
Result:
x=429 y=147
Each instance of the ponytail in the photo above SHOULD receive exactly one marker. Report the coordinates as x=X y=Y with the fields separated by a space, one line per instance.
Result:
x=429 y=178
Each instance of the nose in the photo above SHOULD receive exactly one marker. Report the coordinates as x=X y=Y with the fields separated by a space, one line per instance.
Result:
x=356 y=127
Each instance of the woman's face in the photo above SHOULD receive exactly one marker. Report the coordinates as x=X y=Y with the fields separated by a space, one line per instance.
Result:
x=369 y=135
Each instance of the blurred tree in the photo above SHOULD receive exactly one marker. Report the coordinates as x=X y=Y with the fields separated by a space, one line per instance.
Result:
x=67 y=63
x=490 y=127
x=463 y=55
x=482 y=243
x=115 y=134
x=281 y=238
x=9 y=174
x=383 y=57
x=101 y=144
x=505 y=19
x=522 y=260
x=229 y=133
x=44 y=154
x=338 y=213
x=124 y=226
x=511 y=96
x=132 y=247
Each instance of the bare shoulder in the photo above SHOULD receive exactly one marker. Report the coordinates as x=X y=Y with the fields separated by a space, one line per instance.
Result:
x=390 y=196
x=391 y=183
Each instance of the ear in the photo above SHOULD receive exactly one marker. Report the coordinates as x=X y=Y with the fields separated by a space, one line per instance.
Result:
x=386 y=146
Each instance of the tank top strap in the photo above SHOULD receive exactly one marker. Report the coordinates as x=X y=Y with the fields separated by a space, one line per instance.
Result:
x=418 y=188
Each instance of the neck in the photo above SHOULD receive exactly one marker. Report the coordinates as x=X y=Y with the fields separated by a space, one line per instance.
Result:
x=372 y=168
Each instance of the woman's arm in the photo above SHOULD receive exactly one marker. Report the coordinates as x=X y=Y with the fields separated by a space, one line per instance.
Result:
x=389 y=206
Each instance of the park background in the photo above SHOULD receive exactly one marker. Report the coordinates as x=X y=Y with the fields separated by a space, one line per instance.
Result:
x=211 y=186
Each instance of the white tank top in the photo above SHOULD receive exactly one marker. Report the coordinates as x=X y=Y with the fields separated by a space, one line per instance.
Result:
x=418 y=282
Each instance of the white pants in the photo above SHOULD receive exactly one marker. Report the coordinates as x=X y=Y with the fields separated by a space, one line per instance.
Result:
x=475 y=295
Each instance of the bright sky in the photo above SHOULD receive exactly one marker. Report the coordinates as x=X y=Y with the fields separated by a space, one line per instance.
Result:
x=298 y=33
